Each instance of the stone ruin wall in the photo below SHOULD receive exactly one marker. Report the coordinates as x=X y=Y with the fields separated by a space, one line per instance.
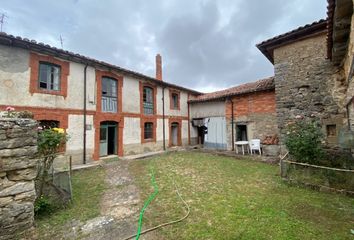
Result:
x=18 y=145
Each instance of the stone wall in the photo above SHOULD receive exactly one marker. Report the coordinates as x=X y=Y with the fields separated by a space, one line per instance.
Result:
x=18 y=145
x=306 y=83
x=259 y=125
x=348 y=68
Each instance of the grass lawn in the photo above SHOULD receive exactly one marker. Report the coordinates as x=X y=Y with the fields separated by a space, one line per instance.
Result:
x=88 y=187
x=237 y=199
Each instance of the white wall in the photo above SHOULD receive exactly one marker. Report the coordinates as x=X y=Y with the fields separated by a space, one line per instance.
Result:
x=207 y=109
x=75 y=132
x=15 y=81
x=132 y=131
x=159 y=130
x=185 y=129
x=131 y=95
x=183 y=103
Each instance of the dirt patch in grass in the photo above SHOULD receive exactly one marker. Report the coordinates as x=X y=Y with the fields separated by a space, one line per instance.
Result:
x=237 y=199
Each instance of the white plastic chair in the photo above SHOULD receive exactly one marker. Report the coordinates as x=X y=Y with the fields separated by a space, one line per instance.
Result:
x=255 y=144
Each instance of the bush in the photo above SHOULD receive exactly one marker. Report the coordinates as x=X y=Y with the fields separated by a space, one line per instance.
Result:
x=304 y=141
x=49 y=142
x=42 y=206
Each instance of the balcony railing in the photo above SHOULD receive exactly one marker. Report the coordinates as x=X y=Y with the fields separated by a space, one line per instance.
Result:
x=148 y=108
x=109 y=104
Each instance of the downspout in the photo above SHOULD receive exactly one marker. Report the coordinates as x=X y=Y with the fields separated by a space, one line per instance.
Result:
x=85 y=112
x=232 y=125
x=163 y=118
x=189 y=123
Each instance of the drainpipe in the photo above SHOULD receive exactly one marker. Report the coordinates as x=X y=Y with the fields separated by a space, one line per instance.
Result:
x=232 y=125
x=163 y=118
x=85 y=112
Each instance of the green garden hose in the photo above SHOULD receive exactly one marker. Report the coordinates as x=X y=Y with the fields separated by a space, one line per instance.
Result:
x=151 y=197
x=163 y=224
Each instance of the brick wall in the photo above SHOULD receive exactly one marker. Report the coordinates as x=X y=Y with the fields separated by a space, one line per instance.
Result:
x=260 y=102
x=257 y=111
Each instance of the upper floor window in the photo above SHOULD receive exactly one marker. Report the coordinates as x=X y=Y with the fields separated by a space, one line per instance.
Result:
x=109 y=95
x=49 y=76
x=175 y=101
x=148 y=100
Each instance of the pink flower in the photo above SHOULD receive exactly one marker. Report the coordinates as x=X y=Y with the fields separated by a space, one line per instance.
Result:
x=39 y=128
x=10 y=109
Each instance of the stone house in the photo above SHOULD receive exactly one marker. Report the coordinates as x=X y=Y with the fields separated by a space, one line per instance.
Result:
x=313 y=71
x=105 y=109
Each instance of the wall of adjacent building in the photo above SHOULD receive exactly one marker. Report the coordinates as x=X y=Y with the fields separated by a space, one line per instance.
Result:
x=256 y=111
x=348 y=66
x=207 y=109
x=306 y=83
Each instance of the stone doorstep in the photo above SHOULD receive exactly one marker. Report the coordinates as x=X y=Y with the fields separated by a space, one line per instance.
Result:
x=143 y=155
x=87 y=165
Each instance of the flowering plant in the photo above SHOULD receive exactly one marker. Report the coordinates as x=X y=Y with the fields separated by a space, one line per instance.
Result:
x=49 y=142
x=10 y=111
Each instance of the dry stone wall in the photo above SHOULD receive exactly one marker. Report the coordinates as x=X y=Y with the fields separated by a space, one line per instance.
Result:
x=18 y=145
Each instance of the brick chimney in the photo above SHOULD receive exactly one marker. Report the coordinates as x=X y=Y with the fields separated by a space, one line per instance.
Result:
x=158 y=67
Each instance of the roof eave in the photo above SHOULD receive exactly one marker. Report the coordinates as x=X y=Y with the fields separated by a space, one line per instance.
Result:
x=267 y=46
x=224 y=97
x=32 y=45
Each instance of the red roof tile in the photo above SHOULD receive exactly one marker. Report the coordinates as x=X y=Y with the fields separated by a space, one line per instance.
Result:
x=267 y=46
x=260 y=85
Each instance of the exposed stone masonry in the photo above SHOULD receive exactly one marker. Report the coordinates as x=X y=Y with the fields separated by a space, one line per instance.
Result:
x=18 y=145
x=306 y=83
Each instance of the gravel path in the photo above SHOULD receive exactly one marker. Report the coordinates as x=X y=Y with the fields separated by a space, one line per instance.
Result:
x=119 y=207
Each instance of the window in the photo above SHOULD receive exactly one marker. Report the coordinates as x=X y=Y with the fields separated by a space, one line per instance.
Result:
x=175 y=102
x=47 y=124
x=49 y=76
x=148 y=132
x=331 y=130
x=241 y=132
x=109 y=95
x=148 y=101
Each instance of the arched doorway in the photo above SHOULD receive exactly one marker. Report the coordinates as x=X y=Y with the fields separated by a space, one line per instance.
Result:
x=108 y=138
x=175 y=134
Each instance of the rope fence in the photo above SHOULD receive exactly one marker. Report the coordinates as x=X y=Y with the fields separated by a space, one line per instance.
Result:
x=321 y=178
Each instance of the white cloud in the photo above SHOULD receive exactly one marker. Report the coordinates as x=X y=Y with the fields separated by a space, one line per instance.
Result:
x=205 y=44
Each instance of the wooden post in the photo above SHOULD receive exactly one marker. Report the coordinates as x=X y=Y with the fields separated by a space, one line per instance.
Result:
x=283 y=169
x=70 y=165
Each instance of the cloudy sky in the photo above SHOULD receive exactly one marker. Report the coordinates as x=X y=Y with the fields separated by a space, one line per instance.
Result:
x=205 y=44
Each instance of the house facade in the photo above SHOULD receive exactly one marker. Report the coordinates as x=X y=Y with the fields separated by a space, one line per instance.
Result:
x=105 y=109
x=239 y=113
